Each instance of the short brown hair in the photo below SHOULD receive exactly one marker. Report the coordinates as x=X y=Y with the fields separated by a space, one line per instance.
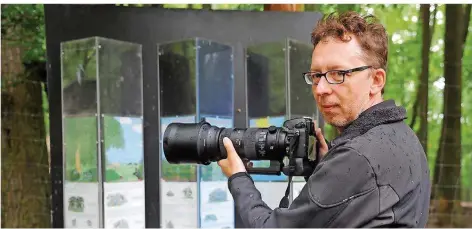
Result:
x=371 y=35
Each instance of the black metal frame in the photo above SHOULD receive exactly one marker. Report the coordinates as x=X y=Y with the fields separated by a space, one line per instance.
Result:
x=149 y=26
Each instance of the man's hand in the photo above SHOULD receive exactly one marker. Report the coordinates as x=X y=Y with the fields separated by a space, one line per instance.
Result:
x=233 y=163
x=323 y=146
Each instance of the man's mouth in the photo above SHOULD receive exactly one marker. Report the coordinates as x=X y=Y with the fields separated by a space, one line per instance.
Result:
x=327 y=106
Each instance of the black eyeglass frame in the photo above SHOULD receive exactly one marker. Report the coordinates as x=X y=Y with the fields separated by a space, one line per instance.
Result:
x=342 y=72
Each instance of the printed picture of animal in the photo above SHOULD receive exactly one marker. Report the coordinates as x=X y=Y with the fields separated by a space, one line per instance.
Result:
x=76 y=204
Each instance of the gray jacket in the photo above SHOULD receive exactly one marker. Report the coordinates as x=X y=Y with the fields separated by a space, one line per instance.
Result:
x=375 y=174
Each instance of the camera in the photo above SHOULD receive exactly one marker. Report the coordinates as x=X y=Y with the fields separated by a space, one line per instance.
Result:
x=288 y=148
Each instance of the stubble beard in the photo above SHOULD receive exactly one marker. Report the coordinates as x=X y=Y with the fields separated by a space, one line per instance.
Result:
x=340 y=121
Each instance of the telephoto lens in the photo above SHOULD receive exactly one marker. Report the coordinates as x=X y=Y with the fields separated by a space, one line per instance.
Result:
x=202 y=143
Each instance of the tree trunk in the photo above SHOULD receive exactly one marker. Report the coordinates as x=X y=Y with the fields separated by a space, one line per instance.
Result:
x=448 y=170
x=423 y=90
x=283 y=7
x=311 y=7
x=468 y=9
x=26 y=186
x=420 y=107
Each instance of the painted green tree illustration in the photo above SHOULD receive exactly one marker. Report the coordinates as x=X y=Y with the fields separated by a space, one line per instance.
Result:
x=81 y=80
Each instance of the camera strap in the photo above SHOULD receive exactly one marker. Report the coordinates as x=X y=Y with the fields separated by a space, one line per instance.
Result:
x=285 y=202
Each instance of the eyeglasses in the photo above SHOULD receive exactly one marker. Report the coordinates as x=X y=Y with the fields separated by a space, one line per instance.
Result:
x=333 y=76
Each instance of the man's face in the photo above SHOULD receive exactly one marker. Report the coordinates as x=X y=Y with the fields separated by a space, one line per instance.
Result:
x=340 y=104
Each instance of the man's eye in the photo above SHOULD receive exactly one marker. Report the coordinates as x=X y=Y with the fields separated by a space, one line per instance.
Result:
x=341 y=73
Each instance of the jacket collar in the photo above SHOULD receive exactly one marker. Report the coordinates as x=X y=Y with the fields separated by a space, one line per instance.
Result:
x=381 y=113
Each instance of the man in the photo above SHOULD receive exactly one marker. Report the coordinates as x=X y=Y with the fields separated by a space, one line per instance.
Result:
x=375 y=173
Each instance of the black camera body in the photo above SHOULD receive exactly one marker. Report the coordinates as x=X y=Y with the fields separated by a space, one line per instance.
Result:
x=302 y=159
x=288 y=148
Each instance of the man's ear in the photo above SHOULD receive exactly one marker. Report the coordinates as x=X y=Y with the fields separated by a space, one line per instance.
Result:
x=379 y=78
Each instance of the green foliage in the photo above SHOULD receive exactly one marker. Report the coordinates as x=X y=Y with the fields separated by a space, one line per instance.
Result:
x=27 y=22
x=172 y=172
x=23 y=25
x=78 y=57
x=466 y=118
x=81 y=145
x=45 y=109
x=176 y=6
x=246 y=7
x=113 y=133
x=404 y=29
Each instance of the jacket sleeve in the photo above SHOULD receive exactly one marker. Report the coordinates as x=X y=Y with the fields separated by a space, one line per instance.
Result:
x=337 y=183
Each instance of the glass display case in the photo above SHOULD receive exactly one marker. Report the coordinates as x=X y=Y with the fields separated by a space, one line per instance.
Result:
x=301 y=99
x=277 y=92
x=102 y=117
x=102 y=99
x=266 y=102
x=195 y=83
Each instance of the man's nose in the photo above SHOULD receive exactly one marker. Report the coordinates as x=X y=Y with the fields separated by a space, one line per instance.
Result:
x=322 y=88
